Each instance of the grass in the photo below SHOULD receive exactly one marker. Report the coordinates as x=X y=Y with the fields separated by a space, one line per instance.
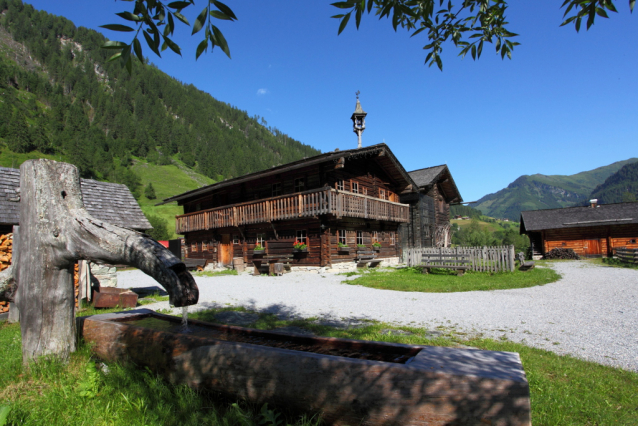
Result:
x=214 y=274
x=564 y=390
x=446 y=281
x=152 y=298
x=616 y=263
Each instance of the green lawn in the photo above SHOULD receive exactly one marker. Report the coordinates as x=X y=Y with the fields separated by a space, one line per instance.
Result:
x=446 y=281
x=564 y=390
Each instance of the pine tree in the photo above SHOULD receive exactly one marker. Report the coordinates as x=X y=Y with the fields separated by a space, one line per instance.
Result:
x=149 y=192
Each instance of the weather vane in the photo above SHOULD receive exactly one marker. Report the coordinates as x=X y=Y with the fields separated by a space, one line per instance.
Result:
x=358 y=92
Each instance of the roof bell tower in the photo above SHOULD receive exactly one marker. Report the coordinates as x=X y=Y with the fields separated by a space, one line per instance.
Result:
x=358 y=119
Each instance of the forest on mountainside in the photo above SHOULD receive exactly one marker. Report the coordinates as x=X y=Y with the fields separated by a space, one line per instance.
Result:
x=61 y=97
x=620 y=187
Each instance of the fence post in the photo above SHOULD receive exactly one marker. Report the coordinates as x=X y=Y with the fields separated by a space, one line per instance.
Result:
x=511 y=256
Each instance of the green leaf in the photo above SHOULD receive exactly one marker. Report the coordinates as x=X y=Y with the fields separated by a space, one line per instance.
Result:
x=439 y=63
x=179 y=5
x=114 y=57
x=201 y=47
x=114 y=45
x=220 y=40
x=343 y=4
x=344 y=22
x=217 y=14
x=632 y=3
x=117 y=27
x=174 y=47
x=129 y=16
x=199 y=22
x=151 y=43
x=137 y=46
x=224 y=9
x=4 y=413
x=182 y=18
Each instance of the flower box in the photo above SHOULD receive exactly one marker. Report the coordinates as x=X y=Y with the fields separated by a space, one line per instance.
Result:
x=305 y=250
x=344 y=249
x=259 y=251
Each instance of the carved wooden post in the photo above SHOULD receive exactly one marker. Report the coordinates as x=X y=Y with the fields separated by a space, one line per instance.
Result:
x=55 y=232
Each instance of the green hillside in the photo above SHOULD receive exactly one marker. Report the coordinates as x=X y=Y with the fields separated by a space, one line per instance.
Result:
x=62 y=100
x=622 y=186
x=538 y=191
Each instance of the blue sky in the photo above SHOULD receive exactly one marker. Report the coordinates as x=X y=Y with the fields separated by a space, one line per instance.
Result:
x=565 y=103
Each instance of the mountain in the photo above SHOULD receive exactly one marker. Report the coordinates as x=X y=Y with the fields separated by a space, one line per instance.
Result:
x=62 y=99
x=620 y=187
x=539 y=191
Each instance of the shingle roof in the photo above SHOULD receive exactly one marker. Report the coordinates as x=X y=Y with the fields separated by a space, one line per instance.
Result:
x=427 y=177
x=574 y=217
x=394 y=169
x=110 y=202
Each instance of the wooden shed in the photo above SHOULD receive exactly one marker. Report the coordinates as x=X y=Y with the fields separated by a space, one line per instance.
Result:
x=592 y=231
x=110 y=202
x=430 y=207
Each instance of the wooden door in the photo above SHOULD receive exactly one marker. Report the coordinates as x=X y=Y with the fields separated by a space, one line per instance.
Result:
x=226 y=250
x=592 y=247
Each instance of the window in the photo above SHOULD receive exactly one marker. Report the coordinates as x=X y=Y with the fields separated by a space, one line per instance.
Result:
x=260 y=239
x=365 y=191
x=393 y=239
x=300 y=184
x=235 y=239
x=354 y=187
x=276 y=189
x=194 y=247
x=342 y=236
x=340 y=184
x=204 y=246
x=301 y=236
x=391 y=196
x=375 y=237
x=632 y=241
x=382 y=194
x=359 y=238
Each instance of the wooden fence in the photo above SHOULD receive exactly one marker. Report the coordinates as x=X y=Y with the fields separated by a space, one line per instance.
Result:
x=484 y=259
x=627 y=255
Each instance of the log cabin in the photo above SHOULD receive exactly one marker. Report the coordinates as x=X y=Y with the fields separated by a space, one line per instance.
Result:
x=336 y=204
x=429 y=224
x=593 y=231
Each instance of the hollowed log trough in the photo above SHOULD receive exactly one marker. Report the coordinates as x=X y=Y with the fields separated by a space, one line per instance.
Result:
x=341 y=379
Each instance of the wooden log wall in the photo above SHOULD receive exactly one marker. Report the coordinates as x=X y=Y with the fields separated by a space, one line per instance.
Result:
x=577 y=238
x=484 y=259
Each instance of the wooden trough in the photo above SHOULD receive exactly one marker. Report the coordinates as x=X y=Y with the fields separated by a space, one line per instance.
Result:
x=347 y=381
x=110 y=297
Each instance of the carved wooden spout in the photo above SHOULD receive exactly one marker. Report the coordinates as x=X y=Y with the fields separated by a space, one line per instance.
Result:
x=55 y=232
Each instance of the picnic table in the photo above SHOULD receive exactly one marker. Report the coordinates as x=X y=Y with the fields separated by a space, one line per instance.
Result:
x=458 y=262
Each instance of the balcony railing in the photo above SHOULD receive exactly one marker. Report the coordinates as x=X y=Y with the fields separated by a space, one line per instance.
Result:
x=294 y=206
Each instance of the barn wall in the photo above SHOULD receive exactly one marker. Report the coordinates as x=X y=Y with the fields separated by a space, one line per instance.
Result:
x=577 y=238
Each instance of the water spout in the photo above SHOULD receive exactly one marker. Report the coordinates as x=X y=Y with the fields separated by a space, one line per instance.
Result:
x=185 y=328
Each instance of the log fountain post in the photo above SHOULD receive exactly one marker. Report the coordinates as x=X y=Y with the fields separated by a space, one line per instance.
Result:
x=55 y=232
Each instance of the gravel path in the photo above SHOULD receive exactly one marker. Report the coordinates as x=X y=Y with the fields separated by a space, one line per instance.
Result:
x=591 y=313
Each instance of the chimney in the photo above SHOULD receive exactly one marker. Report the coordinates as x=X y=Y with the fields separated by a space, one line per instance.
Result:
x=593 y=203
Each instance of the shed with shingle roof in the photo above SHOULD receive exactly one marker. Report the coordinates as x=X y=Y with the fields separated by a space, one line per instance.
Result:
x=590 y=231
x=110 y=202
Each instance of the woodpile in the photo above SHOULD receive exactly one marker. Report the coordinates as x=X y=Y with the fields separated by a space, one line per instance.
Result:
x=6 y=253
x=561 y=253
x=76 y=283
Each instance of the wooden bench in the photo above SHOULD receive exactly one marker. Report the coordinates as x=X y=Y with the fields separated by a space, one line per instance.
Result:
x=524 y=265
x=367 y=258
x=273 y=260
x=459 y=262
x=192 y=263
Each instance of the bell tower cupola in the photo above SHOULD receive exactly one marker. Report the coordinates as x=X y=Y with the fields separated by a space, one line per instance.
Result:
x=358 y=119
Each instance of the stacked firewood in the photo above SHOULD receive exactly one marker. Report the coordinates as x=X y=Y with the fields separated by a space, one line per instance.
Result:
x=76 y=283
x=561 y=253
x=6 y=253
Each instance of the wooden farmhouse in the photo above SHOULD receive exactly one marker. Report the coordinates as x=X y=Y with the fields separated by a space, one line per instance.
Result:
x=592 y=231
x=429 y=224
x=110 y=202
x=336 y=203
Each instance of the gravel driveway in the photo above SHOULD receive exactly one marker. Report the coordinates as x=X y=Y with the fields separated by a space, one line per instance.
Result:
x=591 y=313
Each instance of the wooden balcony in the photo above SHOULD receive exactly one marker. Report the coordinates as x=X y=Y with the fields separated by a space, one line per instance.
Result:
x=285 y=207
